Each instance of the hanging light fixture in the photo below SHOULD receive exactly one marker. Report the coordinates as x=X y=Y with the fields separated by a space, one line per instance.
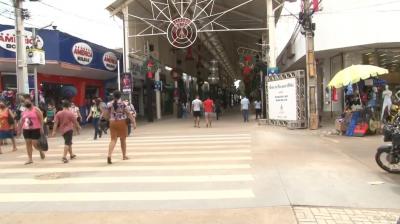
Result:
x=214 y=75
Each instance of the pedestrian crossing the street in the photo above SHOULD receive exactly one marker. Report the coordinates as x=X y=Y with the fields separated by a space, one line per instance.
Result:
x=178 y=169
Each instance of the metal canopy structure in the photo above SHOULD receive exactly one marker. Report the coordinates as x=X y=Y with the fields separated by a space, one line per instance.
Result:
x=206 y=22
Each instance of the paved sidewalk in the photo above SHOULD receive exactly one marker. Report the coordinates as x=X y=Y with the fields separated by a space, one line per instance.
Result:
x=325 y=215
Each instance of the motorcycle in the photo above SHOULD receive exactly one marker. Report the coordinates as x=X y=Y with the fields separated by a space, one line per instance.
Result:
x=388 y=156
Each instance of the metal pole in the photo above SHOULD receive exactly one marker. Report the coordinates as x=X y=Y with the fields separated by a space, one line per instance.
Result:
x=119 y=76
x=158 y=95
x=35 y=78
x=21 y=66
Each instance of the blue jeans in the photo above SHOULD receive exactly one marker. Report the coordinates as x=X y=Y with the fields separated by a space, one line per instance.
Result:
x=245 y=115
x=97 y=131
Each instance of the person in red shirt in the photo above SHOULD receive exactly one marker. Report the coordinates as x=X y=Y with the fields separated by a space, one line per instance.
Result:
x=65 y=121
x=208 y=105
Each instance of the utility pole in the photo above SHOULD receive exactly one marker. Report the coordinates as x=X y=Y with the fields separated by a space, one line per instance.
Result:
x=312 y=83
x=35 y=69
x=271 y=34
x=21 y=65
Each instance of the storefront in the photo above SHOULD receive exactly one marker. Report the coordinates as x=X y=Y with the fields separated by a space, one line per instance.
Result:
x=75 y=69
x=369 y=103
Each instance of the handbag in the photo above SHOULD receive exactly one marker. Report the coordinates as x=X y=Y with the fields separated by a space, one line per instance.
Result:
x=42 y=143
x=10 y=119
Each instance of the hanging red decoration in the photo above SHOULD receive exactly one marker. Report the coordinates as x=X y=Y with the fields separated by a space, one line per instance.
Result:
x=150 y=75
x=248 y=58
x=247 y=70
x=150 y=65
x=189 y=54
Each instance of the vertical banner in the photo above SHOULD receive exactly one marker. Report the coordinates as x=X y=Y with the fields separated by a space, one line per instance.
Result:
x=126 y=83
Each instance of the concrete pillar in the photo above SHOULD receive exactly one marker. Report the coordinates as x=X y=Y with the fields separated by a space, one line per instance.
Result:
x=158 y=96
x=271 y=33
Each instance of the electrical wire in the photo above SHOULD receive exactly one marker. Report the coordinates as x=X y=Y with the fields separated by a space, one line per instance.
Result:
x=360 y=7
x=4 y=3
x=11 y=17
x=75 y=14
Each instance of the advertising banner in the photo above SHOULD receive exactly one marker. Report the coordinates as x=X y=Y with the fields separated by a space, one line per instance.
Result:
x=282 y=100
x=126 y=83
x=62 y=47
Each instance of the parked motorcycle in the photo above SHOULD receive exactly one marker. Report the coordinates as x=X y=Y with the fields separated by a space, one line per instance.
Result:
x=388 y=156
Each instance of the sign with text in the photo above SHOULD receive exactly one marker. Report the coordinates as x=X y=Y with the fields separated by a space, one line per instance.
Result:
x=8 y=40
x=82 y=53
x=282 y=100
x=126 y=82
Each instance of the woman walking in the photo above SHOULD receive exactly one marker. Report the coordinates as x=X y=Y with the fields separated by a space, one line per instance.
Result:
x=31 y=126
x=95 y=113
x=78 y=117
x=66 y=121
x=118 y=112
x=7 y=125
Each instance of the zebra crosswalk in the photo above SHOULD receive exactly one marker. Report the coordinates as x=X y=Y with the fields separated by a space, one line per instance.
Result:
x=180 y=169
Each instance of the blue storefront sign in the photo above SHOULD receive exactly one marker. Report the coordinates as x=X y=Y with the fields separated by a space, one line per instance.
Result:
x=62 y=47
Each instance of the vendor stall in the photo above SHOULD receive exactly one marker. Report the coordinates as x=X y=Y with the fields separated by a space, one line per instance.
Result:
x=368 y=100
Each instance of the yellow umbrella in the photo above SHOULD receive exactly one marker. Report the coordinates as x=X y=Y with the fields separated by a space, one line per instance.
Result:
x=356 y=73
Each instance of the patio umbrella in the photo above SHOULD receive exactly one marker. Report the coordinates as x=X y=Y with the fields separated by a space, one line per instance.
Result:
x=356 y=73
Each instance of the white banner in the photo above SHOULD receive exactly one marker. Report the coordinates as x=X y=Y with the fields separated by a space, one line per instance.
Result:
x=282 y=100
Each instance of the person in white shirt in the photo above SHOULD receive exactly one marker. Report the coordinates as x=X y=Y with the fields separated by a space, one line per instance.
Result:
x=196 y=108
x=257 y=107
x=245 y=103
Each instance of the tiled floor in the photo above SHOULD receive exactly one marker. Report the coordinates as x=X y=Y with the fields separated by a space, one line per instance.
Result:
x=325 y=215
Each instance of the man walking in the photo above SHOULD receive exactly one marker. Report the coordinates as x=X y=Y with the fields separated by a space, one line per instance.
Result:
x=66 y=121
x=257 y=106
x=208 y=111
x=196 y=108
x=245 y=103
x=132 y=111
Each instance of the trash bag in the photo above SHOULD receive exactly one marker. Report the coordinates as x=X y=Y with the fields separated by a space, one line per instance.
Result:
x=42 y=143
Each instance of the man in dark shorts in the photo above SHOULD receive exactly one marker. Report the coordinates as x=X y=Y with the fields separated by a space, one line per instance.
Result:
x=65 y=120
x=196 y=108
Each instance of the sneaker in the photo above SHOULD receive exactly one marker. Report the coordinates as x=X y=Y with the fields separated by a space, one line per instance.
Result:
x=73 y=157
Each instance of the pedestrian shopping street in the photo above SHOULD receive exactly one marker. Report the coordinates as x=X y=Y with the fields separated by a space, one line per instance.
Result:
x=274 y=174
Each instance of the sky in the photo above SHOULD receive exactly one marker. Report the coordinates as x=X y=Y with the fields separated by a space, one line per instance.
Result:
x=86 y=19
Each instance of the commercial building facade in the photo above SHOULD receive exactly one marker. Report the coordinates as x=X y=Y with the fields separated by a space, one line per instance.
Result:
x=74 y=68
x=347 y=32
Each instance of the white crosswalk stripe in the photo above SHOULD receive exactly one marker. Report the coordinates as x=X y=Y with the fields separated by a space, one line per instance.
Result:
x=168 y=164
